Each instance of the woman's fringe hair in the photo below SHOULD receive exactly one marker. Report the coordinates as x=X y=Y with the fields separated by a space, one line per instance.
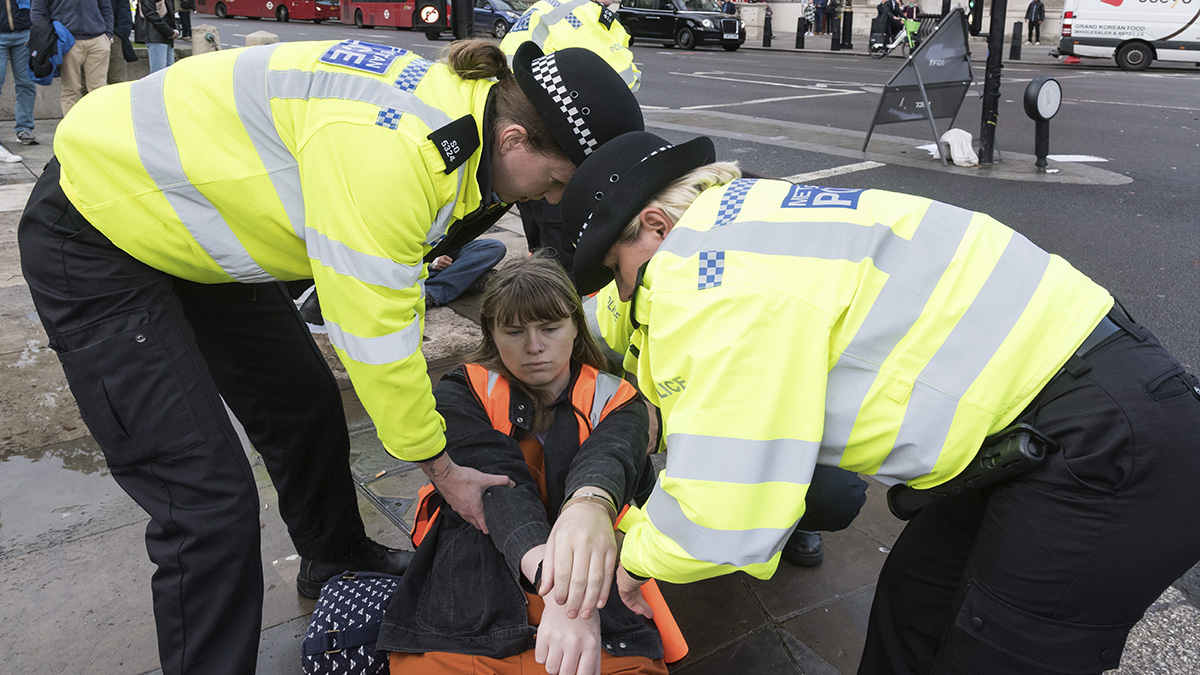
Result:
x=680 y=193
x=479 y=59
x=535 y=288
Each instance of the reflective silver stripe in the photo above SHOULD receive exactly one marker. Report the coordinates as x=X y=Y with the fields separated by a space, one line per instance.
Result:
x=160 y=156
x=371 y=269
x=914 y=269
x=254 y=111
x=590 y=307
x=720 y=547
x=737 y=460
x=377 y=351
x=606 y=387
x=963 y=356
x=293 y=84
x=541 y=31
x=630 y=76
x=493 y=377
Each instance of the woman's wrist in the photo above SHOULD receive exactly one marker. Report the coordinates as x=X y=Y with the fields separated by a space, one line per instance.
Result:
x=591 y=495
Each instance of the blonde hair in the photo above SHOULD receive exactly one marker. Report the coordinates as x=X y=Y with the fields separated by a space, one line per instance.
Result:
x=675 y=199
x=535 y=288
x=479 y=59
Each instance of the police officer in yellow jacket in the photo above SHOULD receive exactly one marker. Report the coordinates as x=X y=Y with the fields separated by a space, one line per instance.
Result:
x=154 y=244
x=780 y=326
x=554 y=25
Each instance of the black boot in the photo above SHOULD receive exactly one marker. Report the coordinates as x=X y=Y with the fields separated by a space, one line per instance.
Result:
x=804 y=548
x=365 y=556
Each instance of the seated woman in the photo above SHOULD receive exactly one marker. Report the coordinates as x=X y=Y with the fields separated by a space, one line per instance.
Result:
x=531 y=404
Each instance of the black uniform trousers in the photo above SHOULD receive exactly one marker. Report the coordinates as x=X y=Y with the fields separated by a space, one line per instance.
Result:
x=1048 y=572
x=149 y=358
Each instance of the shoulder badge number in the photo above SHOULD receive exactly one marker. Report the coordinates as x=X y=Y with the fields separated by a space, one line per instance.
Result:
x=606 y=17
x=456 y=141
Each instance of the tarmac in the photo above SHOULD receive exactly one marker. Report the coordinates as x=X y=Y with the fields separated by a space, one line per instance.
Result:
x=75 y=576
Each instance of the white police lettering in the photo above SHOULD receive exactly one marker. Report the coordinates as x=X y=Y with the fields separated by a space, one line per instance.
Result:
x=449 y=150
x=810 y=196
x=669 y=387
x=371 y=58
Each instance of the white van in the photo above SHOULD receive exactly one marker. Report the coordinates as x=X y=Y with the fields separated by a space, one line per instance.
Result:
x=1135 y=32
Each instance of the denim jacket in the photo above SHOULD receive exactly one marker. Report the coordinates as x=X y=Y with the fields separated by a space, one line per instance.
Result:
x=461 y=592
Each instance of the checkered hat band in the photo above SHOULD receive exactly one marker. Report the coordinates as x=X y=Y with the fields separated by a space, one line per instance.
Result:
x=545 y=71
x=588 y=220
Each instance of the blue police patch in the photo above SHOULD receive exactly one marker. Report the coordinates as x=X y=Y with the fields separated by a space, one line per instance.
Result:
x=371 y=58
x=813 y=196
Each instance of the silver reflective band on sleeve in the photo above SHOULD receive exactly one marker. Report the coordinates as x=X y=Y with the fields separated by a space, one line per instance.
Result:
x=254 y=111
x=493 y=377
x=160 y=157
x=741 y=461
x=367 y=268
x=377 y=351
x=292 y=84
x=719 y=547
x=590 y=306
x=606 y=387
x=630 y=76
x=541 y=30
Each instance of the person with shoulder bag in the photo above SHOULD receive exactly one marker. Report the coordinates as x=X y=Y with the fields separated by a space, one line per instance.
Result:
x=155 y=26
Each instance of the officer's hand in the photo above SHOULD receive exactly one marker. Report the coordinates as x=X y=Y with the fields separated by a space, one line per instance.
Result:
x=581 y=552
x=630 y=590
x=463 y=487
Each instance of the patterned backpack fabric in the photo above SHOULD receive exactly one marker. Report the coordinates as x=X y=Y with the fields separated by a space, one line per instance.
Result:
x=345 y=624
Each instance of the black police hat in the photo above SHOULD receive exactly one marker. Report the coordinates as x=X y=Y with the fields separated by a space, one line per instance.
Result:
x=583 y=101
x=612 y=186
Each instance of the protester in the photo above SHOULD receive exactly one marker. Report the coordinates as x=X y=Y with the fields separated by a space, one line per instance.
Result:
x=459 y=271
x=889 y=334
x=152 y=252
x=532 y=404
x=14 y=53
x=90 y=22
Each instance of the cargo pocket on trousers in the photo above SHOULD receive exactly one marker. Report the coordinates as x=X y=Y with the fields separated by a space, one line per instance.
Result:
x=1058 y=646
x=128 y=389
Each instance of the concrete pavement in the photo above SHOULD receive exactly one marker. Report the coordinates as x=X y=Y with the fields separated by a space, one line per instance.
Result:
x=75 y=574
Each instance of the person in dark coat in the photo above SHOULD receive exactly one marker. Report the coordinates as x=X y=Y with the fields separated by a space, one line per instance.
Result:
x=1035 y=14
x=155 y=25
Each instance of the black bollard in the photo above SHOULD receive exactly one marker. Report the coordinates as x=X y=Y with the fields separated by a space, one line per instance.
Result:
x=800 y=33
x=835 y=29
x=767 y=31
x=847 y=28
x=1014 y=51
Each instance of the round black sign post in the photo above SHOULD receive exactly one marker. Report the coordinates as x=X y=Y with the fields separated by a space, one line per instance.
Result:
x=1043 y=97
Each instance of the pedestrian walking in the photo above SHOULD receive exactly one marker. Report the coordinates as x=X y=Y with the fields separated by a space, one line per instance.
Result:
x=14 y=54
x=1035 y=14
x=153 y=252
x=90 y=22
x=906 y=338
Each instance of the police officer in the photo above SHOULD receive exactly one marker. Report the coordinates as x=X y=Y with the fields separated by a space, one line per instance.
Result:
x=781 y=326
x=154 y=242
x=554 y=25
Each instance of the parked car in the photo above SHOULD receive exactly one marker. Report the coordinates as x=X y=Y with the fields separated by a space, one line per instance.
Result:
x=496 y=17
x=685 y=23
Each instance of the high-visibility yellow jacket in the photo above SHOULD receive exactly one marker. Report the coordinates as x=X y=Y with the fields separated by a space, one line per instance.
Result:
x=555 y=24
x=295 y=161
x=608 y=321
x=782 y=326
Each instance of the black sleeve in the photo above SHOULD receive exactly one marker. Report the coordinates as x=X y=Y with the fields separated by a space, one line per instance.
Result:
x=613 y=454
x=516 y=517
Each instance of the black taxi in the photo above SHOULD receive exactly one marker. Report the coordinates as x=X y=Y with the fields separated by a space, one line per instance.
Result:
x=686 y=23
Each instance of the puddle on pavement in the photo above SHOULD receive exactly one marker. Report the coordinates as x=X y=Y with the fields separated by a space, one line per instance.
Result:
x=58 y=493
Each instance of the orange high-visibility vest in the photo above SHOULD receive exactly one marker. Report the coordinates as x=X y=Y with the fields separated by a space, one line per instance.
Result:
x=594 y=395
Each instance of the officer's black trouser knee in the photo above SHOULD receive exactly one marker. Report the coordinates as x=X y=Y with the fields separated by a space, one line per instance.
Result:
x=834 y=498
x=149 y=358
x=1047 y=573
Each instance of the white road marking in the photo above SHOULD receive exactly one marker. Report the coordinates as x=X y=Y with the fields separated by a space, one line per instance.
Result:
x=823 y=90
x=835 y=171
x=827 y=94
x=1076 y=158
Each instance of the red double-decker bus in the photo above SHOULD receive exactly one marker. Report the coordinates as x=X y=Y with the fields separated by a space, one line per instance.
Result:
x=430 y=16
x=282 y=10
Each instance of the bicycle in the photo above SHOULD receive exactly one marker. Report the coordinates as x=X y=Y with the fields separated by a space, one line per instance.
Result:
x=906 y=40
